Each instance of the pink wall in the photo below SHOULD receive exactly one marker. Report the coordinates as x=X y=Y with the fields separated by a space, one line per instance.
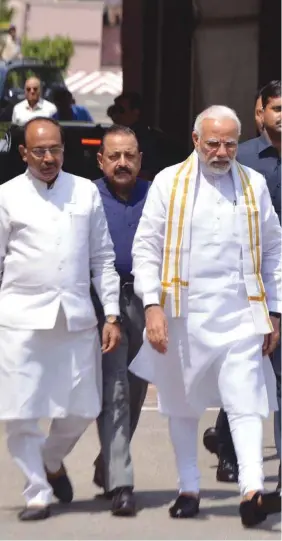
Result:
x=81 y=21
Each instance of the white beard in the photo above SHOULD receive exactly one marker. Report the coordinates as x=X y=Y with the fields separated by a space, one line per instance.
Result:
x=219 y=170
x=210 y=168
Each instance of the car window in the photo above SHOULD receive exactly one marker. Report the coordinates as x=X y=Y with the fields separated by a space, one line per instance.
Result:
x=16 y=77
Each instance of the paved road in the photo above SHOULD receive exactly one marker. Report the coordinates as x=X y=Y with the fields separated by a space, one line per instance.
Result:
x=89 y=518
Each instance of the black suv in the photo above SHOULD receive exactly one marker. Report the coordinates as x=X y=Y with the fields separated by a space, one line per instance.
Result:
x=14 y=74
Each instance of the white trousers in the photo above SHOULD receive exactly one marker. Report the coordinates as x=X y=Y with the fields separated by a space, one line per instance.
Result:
x=246 y=431
x=33 y=452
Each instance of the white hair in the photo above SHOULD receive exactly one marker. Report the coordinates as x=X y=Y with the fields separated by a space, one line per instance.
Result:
x=216 y=112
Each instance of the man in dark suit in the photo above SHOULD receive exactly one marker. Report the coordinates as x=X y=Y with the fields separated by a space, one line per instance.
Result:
x=263 y=154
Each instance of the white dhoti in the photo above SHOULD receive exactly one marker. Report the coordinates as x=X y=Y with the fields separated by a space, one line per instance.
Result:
x=53 y=374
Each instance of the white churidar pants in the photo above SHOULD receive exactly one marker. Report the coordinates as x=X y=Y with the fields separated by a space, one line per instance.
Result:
x=246 y=432
x=32 y=452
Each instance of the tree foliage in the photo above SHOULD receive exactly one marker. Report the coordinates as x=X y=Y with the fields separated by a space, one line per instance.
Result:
x=58 y=50
x=6 y=13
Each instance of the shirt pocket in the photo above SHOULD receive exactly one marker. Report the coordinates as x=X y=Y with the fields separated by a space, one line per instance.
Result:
x=79 y=226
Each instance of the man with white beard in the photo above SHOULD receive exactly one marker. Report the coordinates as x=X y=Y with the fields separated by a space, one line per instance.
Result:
x=207 y=265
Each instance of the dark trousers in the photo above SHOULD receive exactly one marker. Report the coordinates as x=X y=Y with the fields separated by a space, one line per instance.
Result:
x=225 y=443
x=123 y=394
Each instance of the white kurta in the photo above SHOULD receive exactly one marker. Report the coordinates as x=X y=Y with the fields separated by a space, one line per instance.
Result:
x=214 y=355
x=50 y=241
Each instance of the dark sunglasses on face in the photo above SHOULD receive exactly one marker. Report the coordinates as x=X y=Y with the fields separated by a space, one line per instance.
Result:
x=30 y=88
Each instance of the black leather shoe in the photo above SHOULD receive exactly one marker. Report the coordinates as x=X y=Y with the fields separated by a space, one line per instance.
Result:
x=34 y=513
x=210 y=440
x=61 y=485
x=227 y=471
x=254 y=512
x=123 y=502
x=185 y=507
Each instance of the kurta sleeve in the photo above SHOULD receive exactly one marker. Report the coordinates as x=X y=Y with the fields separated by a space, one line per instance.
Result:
x=105 y=279
x=271 y=234
x=5 y=229
x=147 y=251
x=14 y=116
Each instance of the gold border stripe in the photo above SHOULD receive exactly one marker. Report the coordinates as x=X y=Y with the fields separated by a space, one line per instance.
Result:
x=176 y=279
x=257 y=245
x=169 y=231
x=249 y=216
x=169 y=284
x=256 y=261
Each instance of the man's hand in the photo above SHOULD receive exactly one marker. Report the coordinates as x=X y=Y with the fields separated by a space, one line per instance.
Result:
x=111 y=336
x=156 y=327
x=271 y=340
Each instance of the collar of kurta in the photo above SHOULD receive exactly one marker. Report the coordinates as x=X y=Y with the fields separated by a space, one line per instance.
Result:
x=43 y=186
x=38 y=105
x=178 y=231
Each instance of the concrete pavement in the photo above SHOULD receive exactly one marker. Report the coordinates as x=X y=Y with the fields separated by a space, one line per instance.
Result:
x=88 y=517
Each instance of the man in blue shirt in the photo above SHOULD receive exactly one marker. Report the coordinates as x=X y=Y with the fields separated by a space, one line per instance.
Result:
x=123 y=195
x=67 y=110
x=263 y=154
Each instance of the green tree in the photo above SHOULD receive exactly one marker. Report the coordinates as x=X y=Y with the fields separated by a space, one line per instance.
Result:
x=6 y=12
x=58 y=50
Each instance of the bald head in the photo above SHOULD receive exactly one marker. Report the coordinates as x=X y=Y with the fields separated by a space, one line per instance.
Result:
x=43 y=150
x=39 y=128
x=32 y=90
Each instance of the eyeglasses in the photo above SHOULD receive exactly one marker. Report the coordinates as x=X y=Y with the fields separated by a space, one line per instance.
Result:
x=29 y=88
x=39 y=152
x=215 y=145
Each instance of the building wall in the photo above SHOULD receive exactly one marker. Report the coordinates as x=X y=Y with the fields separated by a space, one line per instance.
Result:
x=81 y=20
x=183 y=57
x=226 y=58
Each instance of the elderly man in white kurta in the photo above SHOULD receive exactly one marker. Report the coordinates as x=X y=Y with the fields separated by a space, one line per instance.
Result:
x=53 y=233
x=207 y=264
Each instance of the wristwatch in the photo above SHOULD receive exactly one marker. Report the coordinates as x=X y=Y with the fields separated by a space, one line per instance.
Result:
x=150 y=305
x=113 y=319
x=275 y=314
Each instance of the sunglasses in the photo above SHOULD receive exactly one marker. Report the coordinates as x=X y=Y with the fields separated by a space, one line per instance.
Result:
x=29 y=88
